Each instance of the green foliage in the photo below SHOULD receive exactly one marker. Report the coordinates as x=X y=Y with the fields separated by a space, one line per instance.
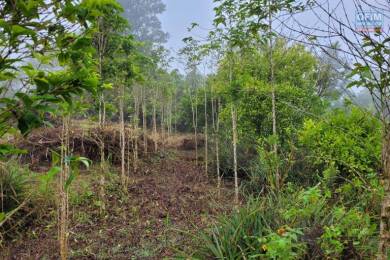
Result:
x=82 y=195
x=346 y=230
x=74 y=163
x=345 y=144
x=251 y=92
x=284 y=244
x=14 y=195
x=330 y=207
x=373 y=72
x=234 y=235
x=47 y=179
x=310 y=205
x=7 y=149
x=42 y=43
x=294 y=79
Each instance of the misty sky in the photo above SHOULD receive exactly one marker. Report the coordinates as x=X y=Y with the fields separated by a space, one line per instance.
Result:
x=179 y=16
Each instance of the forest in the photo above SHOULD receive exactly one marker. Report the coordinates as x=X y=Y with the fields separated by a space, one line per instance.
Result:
x=266 y=138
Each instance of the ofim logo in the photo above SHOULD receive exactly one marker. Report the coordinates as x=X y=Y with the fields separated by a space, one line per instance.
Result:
x=369 y=21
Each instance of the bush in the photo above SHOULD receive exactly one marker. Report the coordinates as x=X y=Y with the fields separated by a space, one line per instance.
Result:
x=347 y=141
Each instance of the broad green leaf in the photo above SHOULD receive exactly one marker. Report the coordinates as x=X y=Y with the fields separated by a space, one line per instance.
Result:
x=42 y=84
x=7 y=149
x=70 y=179
x=7 y=75
x=28 y=121
x=55 y=157
x=27 y=101
x=107 y=86
x=18 y=30
x=53 y=172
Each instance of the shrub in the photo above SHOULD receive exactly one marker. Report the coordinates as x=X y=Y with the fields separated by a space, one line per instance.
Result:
x=349 y=232
x=348 y=141
x=283 y=244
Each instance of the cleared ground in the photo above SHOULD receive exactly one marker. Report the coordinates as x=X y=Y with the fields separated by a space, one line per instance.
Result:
x=166 y=201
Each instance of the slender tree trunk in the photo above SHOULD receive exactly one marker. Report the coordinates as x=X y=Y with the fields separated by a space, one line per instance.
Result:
x=217 y=148
x=122 y=135
x=104 y=110
x=235 y=138
x=101 y=47
x=101 y=110
x=63 y=232
x=168 y=114
x=170 y=117
x=135 y=153
x=384 y=237
x=128 y=152
x=206 y=161
x=135 y=130
x=196 y=128
x=101 y=96
x=162 y=123
x=102 y=182
x=213 y=110
x=101 y=137
x=144 y=125
x=274 y=131
x=155 y=134
x=234 y=126
x=174 y=113
x=194 y=125
x=215 y=114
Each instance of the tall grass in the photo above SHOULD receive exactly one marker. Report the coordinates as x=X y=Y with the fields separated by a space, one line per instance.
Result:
x=13 y=186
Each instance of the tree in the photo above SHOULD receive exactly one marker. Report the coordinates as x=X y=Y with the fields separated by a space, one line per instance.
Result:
x=257 y=18
x=62 y=43
x=230 y=35
x=122 y=70
x=143 y=19
x=108 y=25
x=30 y=90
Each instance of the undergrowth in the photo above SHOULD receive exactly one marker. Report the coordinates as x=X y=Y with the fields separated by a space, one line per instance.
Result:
x=21 y=204
x=297 y=223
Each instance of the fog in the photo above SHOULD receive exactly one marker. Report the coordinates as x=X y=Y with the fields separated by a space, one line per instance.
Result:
x=178 y=17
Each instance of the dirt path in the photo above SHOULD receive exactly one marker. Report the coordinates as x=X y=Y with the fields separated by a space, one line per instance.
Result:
x=169 y=197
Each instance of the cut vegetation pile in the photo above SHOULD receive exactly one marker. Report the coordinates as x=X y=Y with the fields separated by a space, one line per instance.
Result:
x=83 y=142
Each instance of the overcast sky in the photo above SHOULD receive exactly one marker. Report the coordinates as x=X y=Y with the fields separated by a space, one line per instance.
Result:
x=179 y=16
